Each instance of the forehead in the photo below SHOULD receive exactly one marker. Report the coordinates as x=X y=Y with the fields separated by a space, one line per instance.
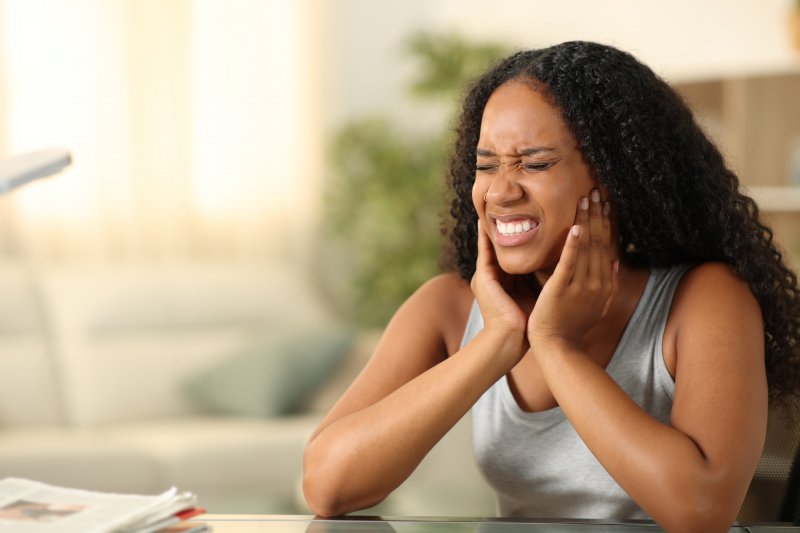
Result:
x=517 y=115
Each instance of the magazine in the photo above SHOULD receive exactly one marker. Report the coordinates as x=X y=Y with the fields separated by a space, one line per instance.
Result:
x=28 y=506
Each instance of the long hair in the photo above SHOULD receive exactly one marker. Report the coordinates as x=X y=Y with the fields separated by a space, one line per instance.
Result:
x=677 y=200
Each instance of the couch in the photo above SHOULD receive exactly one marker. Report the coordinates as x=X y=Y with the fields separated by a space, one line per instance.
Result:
x=209 y=376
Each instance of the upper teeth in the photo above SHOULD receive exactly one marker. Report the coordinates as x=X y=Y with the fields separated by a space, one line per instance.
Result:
x=511 y=228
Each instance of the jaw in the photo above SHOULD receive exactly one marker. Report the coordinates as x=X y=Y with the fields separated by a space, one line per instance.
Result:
x=518 y=261
x=529 y=258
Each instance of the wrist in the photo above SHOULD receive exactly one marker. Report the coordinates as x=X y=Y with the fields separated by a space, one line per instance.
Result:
x=547 y=345
x=506 y=346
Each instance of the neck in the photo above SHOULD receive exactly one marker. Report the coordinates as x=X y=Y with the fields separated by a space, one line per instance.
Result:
x=627 y=272
x=631 y=280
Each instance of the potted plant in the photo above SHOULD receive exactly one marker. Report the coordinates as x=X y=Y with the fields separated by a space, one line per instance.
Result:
x=386 y=193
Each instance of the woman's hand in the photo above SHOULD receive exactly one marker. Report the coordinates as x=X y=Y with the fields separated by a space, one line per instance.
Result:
x=505 y=304
x=580 y=291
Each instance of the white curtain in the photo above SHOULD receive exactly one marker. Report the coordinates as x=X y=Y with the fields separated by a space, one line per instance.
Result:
x=189 y=123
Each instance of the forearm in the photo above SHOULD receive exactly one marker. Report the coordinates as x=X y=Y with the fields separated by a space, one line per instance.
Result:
x=357 y=460
x=661 y=468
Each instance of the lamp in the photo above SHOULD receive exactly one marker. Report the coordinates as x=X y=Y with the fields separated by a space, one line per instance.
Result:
x=15 y=172
x=22 y=169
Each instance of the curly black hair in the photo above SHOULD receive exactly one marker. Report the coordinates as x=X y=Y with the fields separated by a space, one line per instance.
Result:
x=678 y=202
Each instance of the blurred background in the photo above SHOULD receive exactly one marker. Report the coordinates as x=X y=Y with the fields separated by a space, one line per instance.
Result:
x=256 y=186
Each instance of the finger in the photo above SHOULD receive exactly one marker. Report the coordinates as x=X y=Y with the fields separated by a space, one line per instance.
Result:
x=595 y=264
x=486 y=266
x=485 y=251
x=606 y=262
x=614 y=286
x=566 y=268
x=487 y=283
x=582 y=258
x=480 y=261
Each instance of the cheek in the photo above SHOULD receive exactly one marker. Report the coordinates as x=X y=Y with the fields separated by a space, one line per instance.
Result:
x=563 y=206
x=477 y=197
x=568 y=198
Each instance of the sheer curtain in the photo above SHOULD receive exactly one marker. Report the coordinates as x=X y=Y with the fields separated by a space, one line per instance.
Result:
x=189 y=123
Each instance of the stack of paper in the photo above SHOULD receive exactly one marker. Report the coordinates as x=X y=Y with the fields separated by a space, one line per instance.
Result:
x=27 y=506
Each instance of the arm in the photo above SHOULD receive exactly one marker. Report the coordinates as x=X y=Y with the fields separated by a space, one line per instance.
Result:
x=409 y=394
x=691 y=475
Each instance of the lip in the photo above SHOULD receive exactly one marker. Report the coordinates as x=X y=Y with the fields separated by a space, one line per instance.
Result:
x=518 y=238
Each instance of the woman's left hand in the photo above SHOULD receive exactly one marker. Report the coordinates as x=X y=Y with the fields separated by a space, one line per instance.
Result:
x=580 y=291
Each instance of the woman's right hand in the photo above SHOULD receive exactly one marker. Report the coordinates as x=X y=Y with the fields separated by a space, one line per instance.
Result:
x=505 y=306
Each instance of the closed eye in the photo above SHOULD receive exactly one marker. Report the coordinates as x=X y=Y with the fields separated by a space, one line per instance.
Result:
x=538 y=167
x=530 y=167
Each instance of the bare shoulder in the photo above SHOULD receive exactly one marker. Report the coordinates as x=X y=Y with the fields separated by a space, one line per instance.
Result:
x=443 y=302
x=447 y=291
x=716 y=287
x=712 y=303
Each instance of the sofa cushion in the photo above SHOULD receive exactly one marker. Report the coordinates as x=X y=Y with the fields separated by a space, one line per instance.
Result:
x=232 y=464
x=80 y=458
x=322 y=399
x=137 y=376
x=273 y=373
x=127 y=337
x=28 y=393
x=28 y=384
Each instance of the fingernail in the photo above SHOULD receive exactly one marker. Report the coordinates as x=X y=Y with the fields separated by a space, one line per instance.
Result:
x=616 y=266
x=595 y=195
x=576 y=229
x=606 y=208
x=584 y=203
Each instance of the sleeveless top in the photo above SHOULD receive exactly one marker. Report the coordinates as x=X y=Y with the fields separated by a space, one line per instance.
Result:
x=536 y=463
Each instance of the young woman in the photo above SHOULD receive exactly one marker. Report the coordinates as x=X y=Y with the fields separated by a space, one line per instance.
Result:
x=617 y=323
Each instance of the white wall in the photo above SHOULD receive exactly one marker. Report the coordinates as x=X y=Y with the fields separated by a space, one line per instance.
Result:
x=680 y=39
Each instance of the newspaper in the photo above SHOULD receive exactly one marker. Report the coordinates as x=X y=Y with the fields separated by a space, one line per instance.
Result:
x=28 y=506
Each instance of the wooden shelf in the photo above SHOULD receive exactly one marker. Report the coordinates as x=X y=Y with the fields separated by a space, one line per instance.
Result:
x=788 y=64
x=755 y=121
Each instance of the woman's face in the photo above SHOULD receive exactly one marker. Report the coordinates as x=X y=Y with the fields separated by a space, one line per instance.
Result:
x=532 y=175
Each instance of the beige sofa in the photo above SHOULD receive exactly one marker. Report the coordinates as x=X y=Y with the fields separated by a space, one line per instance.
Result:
x=136 y=378
x=204 y=376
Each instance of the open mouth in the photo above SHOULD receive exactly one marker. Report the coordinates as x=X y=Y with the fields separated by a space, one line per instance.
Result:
x=515 y=227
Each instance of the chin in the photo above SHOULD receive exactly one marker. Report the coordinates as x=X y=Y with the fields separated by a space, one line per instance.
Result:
x=520 y=262
x=517 y=268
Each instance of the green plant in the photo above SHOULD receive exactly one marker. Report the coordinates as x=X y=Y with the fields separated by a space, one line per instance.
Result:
x=382 y=235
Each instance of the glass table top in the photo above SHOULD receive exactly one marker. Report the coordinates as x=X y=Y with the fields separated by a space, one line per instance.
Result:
x=300 y=524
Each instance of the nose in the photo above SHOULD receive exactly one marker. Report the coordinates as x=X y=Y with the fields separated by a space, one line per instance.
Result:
x=504 y=188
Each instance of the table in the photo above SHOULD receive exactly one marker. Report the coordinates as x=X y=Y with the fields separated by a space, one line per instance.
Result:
x=364 y=524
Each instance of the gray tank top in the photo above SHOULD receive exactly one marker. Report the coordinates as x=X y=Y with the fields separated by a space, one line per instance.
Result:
x=536 y=463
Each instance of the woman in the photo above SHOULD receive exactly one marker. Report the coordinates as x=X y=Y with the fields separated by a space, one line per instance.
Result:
x=618 y=320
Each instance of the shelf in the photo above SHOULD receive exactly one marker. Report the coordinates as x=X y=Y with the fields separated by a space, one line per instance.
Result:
x=788 y=65
x=776 y=199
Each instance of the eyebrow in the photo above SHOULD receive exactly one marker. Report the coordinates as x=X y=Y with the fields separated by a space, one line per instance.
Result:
x=525 y=151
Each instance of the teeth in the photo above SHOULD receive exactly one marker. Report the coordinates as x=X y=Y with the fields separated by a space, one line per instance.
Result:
x=512 y=228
